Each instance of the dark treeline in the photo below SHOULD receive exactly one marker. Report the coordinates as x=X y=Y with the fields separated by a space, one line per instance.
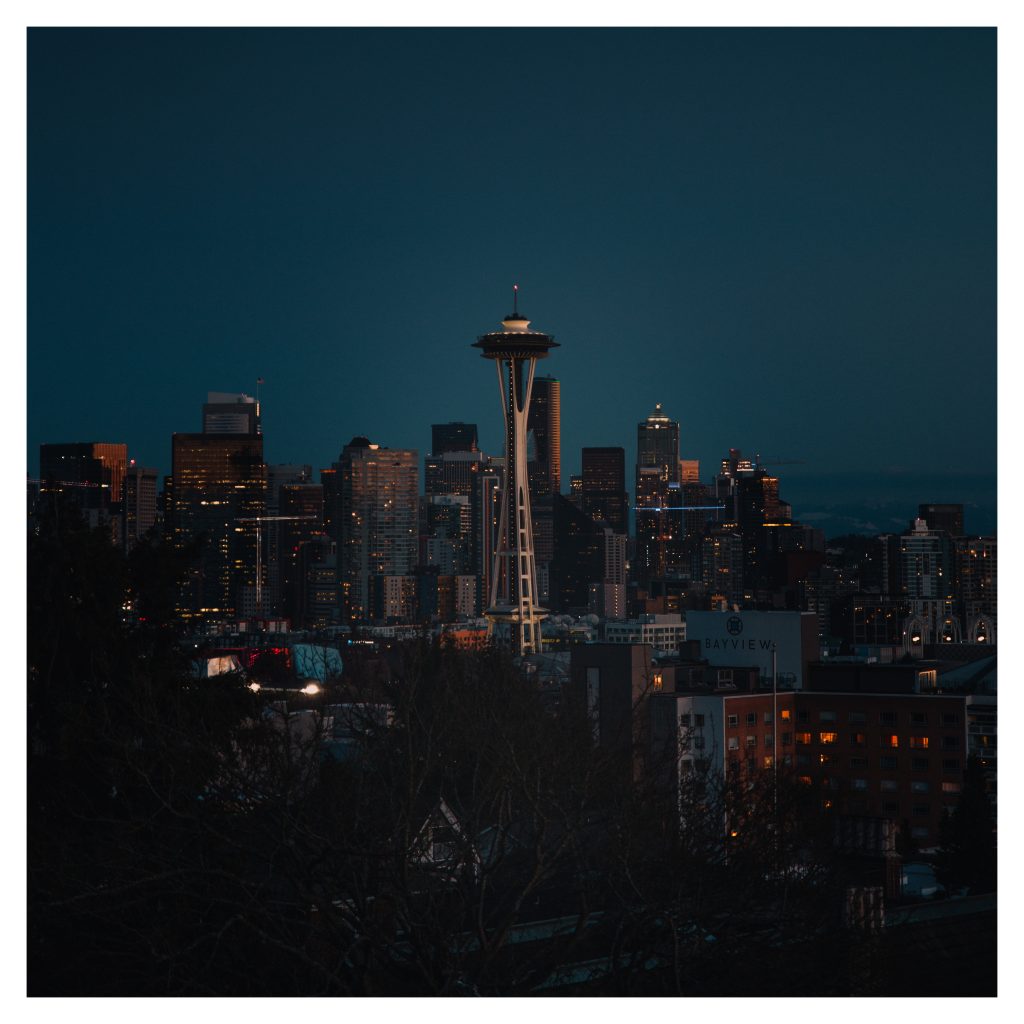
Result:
x=186 y=838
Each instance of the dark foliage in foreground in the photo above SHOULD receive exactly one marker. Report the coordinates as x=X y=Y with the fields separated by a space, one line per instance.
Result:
x=185 y=839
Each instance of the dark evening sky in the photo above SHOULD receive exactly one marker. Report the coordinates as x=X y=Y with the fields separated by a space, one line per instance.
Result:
x=787 y=237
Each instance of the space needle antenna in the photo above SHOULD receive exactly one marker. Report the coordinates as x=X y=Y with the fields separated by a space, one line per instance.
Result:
x=515 y=300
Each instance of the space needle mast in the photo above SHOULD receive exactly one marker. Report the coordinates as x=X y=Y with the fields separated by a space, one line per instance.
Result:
x=513 y=604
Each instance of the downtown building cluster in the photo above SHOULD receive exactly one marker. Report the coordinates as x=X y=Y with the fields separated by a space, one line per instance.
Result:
x=696 y=616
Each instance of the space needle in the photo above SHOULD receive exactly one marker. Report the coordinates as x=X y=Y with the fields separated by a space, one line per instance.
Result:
x=513 y=606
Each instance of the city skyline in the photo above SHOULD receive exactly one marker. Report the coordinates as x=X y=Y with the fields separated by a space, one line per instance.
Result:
x=722 y=249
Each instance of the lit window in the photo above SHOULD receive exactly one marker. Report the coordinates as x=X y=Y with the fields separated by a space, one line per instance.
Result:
x=785 y=714
x=828 y=738
x=734 y=743
x=951 y=787
x=890 y=741
x=919 y=742
x=857 y=739
x=803 y=739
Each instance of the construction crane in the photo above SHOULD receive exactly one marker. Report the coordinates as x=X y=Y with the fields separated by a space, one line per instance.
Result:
x=259 y=520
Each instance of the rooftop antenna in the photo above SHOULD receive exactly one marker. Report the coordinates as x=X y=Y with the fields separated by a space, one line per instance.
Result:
x=515 y=301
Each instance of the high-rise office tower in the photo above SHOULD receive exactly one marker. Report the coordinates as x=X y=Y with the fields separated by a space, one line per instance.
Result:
x=947 y=518
x=657 y=443
x=216 y=496
x=603 y=487
x=278 y=475
x=659 y=524
x=485 y=505
x=299 y=519
x=91 y=473
x=514 y=601
x=453 y=437
x=976 y=578
x=452 y=472
x=138 y=505
x=721 y=563
x=544 y=437
x=579 y=557
x=376 y=525
x=228 y=413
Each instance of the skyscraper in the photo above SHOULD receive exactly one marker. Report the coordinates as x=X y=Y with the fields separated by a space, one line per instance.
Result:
x=138 y=507
x=514 y=600
x=216 y=493
x=659 y=524
x=376 y=526
x=603 y=487
x=94 y=470
x=544 y=437
x=228 y=413
x=453 y=437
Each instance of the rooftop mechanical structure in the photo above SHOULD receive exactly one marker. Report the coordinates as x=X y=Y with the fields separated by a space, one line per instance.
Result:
x=513 y=611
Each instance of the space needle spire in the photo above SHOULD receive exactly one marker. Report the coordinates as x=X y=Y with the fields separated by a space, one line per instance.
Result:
x=513 y=609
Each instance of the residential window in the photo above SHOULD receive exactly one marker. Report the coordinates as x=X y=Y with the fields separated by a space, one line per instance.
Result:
x=768 y=718
x=769 y=740
x=785 y=714
x=918 y=718
x=919 y=742
x=787 y=739
x=859 y=784
x=751 y=718
x=951 y=787
x=890 y=741
x=733 y=743
x=684 y=720
x=858 y=762
x=950 y=719
x=802 y=716
x=698 y=721
x=828 y=738
x=857 y=717
x=919 y=764
x=698 y=742
x=889 y=785
x=950 y=742
x=919 y=786
x=767 y=762
x=888 y=764
x=803 y=760
x=803 y=739
x=734 y=720
x=827 y=716
x=751 y=741
x=951 y=764
x=891 y=808
x=805 y=779
x=857 y=739
x=919 y=833
x=921 y=810
x=887 y=717
x=826 y=760
x=787 y=760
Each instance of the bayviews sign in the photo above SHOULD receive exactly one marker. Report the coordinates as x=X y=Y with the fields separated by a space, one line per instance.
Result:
x=738 y=645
